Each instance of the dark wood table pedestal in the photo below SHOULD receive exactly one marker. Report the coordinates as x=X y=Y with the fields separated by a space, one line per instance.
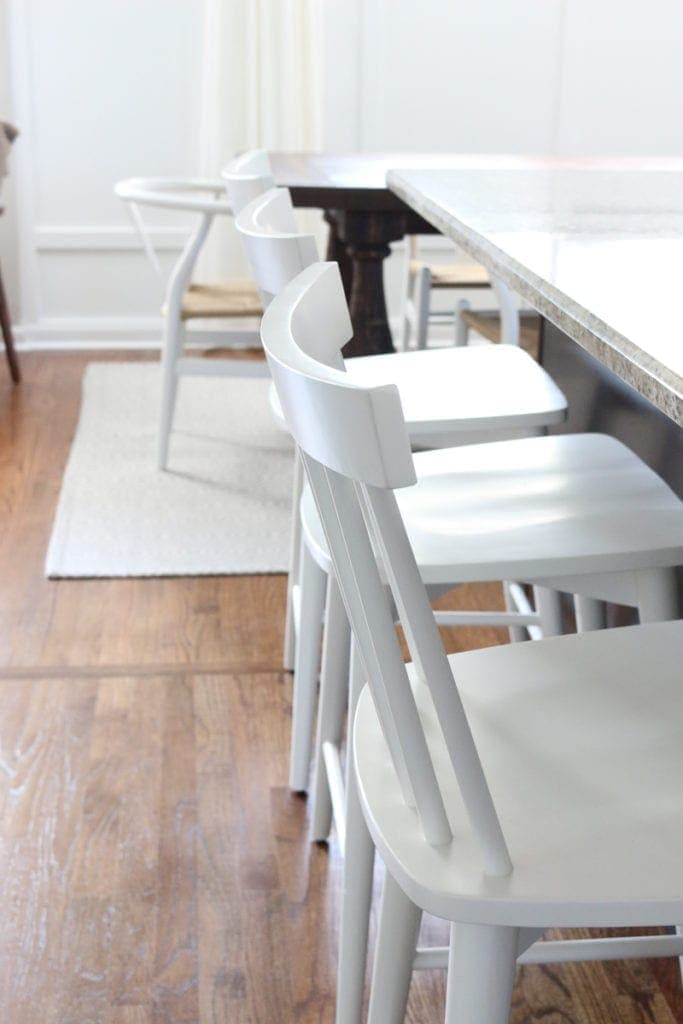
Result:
x=364 y=218
x=360 y=242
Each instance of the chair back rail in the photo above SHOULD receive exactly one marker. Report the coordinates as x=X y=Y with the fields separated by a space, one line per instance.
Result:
x=276 y=249
x=247 y=176
x=356 y=451
x=243 y=178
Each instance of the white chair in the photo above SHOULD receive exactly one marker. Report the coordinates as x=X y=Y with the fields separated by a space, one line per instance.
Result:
x=580 y=737
x=421 y=278
x=450 y=396
x=242 y=179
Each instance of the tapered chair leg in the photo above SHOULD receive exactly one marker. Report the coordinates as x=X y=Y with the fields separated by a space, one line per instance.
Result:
x=423 y=286
x=516 y=633
x=462 y=329
x=481 y=974
x=334 y=687
x=549 y=607
x=407 y=313
x=590 y=613
x=359 y=858
x=658 y=602
x=657 y=595
x=169 y=385
x=288 y=653
x=313 y=582
x=394 y=953
x=6 y=326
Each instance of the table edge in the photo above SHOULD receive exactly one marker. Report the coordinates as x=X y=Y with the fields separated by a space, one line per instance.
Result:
x=650 y=378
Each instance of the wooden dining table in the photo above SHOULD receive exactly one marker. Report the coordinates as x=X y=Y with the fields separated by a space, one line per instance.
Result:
x=364 y=218
x=366 y=214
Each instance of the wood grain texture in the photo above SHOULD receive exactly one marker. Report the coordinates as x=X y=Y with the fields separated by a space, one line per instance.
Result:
x=153 y=865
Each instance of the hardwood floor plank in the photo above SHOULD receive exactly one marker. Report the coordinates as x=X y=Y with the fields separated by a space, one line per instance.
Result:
x=175 y=970
x=153 y=865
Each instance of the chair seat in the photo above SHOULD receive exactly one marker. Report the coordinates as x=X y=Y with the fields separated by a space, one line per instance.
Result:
x=532 y=509
x=456 y=275
x=580 y=739
x=234 y=298
x=451 y=394
x=457 y=390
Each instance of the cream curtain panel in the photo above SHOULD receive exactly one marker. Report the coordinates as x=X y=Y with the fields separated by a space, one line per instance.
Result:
x=260 y=89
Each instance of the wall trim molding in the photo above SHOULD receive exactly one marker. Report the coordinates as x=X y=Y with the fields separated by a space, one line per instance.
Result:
x=89 y=332
x=104 y=237
x=83 y=334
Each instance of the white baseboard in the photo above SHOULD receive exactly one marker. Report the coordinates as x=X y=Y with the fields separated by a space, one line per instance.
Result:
x=89 y=332
x=72 y=334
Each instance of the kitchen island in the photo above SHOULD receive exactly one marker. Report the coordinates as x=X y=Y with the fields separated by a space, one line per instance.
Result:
x=597 y=248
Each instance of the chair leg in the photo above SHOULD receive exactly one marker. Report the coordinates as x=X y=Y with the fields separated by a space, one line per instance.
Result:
x=288 y=653
x=657 y=595
x=313 y=581
x=590 y=613
x=481 y=974
x=407 y=314
x=359 y=858
x=423 y=286
x=334 y=687
x=6 y=326
x=549 y=607
x=462 y=330
x=658 y=602
x=516 y=633
x=169 y=384
x=399 y=926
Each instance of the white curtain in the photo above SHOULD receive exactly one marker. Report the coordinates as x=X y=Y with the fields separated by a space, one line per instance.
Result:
x=260 y=89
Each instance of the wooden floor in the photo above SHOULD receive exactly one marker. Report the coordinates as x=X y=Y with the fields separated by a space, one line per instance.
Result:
x=153 y=865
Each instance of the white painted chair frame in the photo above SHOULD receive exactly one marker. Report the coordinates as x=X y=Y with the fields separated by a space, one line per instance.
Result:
x=653 y=593
x=356 y=451
x=417 y=313
x=277 y=252
x=242 y=179
x=273 y=265
x=276 y=255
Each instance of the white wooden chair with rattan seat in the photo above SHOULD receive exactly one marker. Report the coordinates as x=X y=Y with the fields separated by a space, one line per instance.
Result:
x=451 y=396
x=579 y=737
x=421 y=278
x=238 y=299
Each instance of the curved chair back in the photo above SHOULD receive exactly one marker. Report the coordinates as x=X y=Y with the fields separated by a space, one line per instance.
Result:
x=246 y=177
x=355 y=448
x=276 y=249
x=191 y=195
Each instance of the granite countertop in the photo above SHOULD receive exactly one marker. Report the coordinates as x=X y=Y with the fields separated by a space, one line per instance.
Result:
x=595 y=246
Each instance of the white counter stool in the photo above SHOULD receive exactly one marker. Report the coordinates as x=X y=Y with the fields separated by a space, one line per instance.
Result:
x=242 y=179
x=577 y=733
x=421 y=278
x=581 y=514
x=450 y=396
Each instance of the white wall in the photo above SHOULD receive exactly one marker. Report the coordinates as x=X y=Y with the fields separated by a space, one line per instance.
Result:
x=622 y=78
x=101 y=91
x=110 y=88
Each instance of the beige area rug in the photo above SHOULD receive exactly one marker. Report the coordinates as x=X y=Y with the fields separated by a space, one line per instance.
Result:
x=223 y=507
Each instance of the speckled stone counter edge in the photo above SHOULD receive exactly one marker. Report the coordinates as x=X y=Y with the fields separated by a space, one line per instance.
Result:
x=659 y=384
